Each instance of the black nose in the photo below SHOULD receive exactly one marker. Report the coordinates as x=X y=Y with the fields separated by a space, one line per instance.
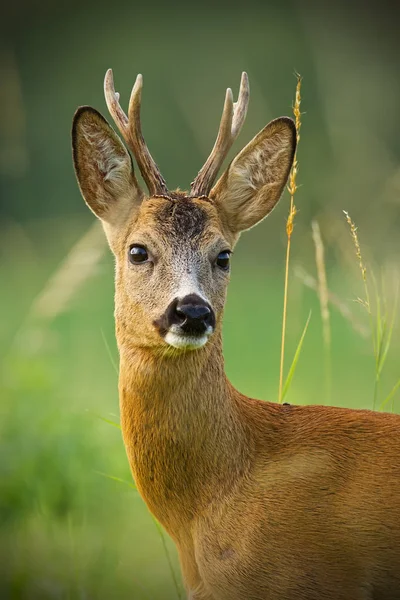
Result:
x=193 y=315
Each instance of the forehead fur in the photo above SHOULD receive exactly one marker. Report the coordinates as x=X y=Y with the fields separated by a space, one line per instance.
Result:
x=179 y=217
x=182 y=218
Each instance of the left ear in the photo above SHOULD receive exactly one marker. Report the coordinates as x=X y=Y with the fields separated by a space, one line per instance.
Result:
x=254 y=181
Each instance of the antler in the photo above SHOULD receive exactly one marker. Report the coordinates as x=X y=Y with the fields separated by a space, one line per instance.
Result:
x=131 y=131
x=232 y=120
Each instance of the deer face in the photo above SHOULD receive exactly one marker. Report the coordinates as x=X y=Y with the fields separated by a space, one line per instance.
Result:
x=173 y=249
x=172 y=272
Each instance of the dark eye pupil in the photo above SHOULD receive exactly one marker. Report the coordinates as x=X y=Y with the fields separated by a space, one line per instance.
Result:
x=223 y=260
x=138 y=254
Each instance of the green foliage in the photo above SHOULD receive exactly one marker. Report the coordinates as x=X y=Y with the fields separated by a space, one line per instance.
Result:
x=381 y=328
x=295 y=360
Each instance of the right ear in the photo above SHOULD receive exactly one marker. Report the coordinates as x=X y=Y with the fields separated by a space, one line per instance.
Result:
x=254 y=181
x=104 y=169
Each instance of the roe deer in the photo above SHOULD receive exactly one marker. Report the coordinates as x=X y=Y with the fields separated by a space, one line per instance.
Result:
x=263 y=501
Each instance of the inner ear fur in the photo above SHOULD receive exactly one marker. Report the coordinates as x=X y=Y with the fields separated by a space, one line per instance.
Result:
x=254 y=181
x=103 y=168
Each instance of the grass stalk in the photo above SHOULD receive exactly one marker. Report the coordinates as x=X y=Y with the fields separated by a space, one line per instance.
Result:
x=74 y=271
x=366 y=302
x=295 y=360
x=77 y=267
x=336 y=302
x=110 y=354
x=381 y=329
x=323 y=296
x=168 y=557
x=292 y=187
x=390 y=396
x=159 y=530
x=118 y=479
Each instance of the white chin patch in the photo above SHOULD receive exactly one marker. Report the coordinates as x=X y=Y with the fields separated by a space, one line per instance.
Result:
x=179 y=340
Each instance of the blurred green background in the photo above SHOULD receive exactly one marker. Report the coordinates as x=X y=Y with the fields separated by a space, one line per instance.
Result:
x=68 y=530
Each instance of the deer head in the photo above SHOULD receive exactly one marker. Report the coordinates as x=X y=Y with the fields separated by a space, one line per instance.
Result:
x=173 y=249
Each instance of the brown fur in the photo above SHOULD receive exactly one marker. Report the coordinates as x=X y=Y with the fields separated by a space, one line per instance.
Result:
x=264 y=502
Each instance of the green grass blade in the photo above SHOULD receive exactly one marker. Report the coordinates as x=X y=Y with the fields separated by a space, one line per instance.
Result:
x=379 y=325
x=110 y=356
x=159 y=529
x=390 y=395
x=379 y=331
x=385 y=347
x=118 y=479
x=295 y=360
x=168 y=557
x=390 y=332
x=109 y=421
x=113 y=423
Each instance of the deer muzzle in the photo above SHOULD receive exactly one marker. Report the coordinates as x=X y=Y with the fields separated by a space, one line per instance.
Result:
x=187 y=323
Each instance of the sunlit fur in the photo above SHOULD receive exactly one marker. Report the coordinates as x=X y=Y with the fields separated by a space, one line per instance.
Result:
x=263 y=501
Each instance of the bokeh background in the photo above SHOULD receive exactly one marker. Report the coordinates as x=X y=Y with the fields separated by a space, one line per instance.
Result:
x=72 y=525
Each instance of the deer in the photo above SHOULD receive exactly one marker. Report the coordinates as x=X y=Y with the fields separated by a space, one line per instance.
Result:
x=264 y=501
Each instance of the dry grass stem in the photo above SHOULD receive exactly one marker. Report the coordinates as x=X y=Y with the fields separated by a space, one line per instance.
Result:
x=77 y=267
x=381 y=330
x=364 y=301
x=324 y=303
x=292 y=187
x=354 y=235
x=310 y=282
x=322 y=281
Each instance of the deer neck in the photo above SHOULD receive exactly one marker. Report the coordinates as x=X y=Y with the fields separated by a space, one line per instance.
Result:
x=181 y=428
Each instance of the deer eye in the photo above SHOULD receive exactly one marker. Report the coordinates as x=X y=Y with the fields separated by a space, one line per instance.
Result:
x=223 y=260
x=138 y=254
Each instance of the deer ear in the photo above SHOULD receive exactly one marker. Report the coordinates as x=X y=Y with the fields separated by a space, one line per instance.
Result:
x=103 y=168
x=254 y=181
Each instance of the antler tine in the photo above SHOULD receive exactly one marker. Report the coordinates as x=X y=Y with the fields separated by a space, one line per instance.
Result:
x=131 y=131
x=241 y=106
x=114 y=107
x=148 y=168
x=233 y=117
